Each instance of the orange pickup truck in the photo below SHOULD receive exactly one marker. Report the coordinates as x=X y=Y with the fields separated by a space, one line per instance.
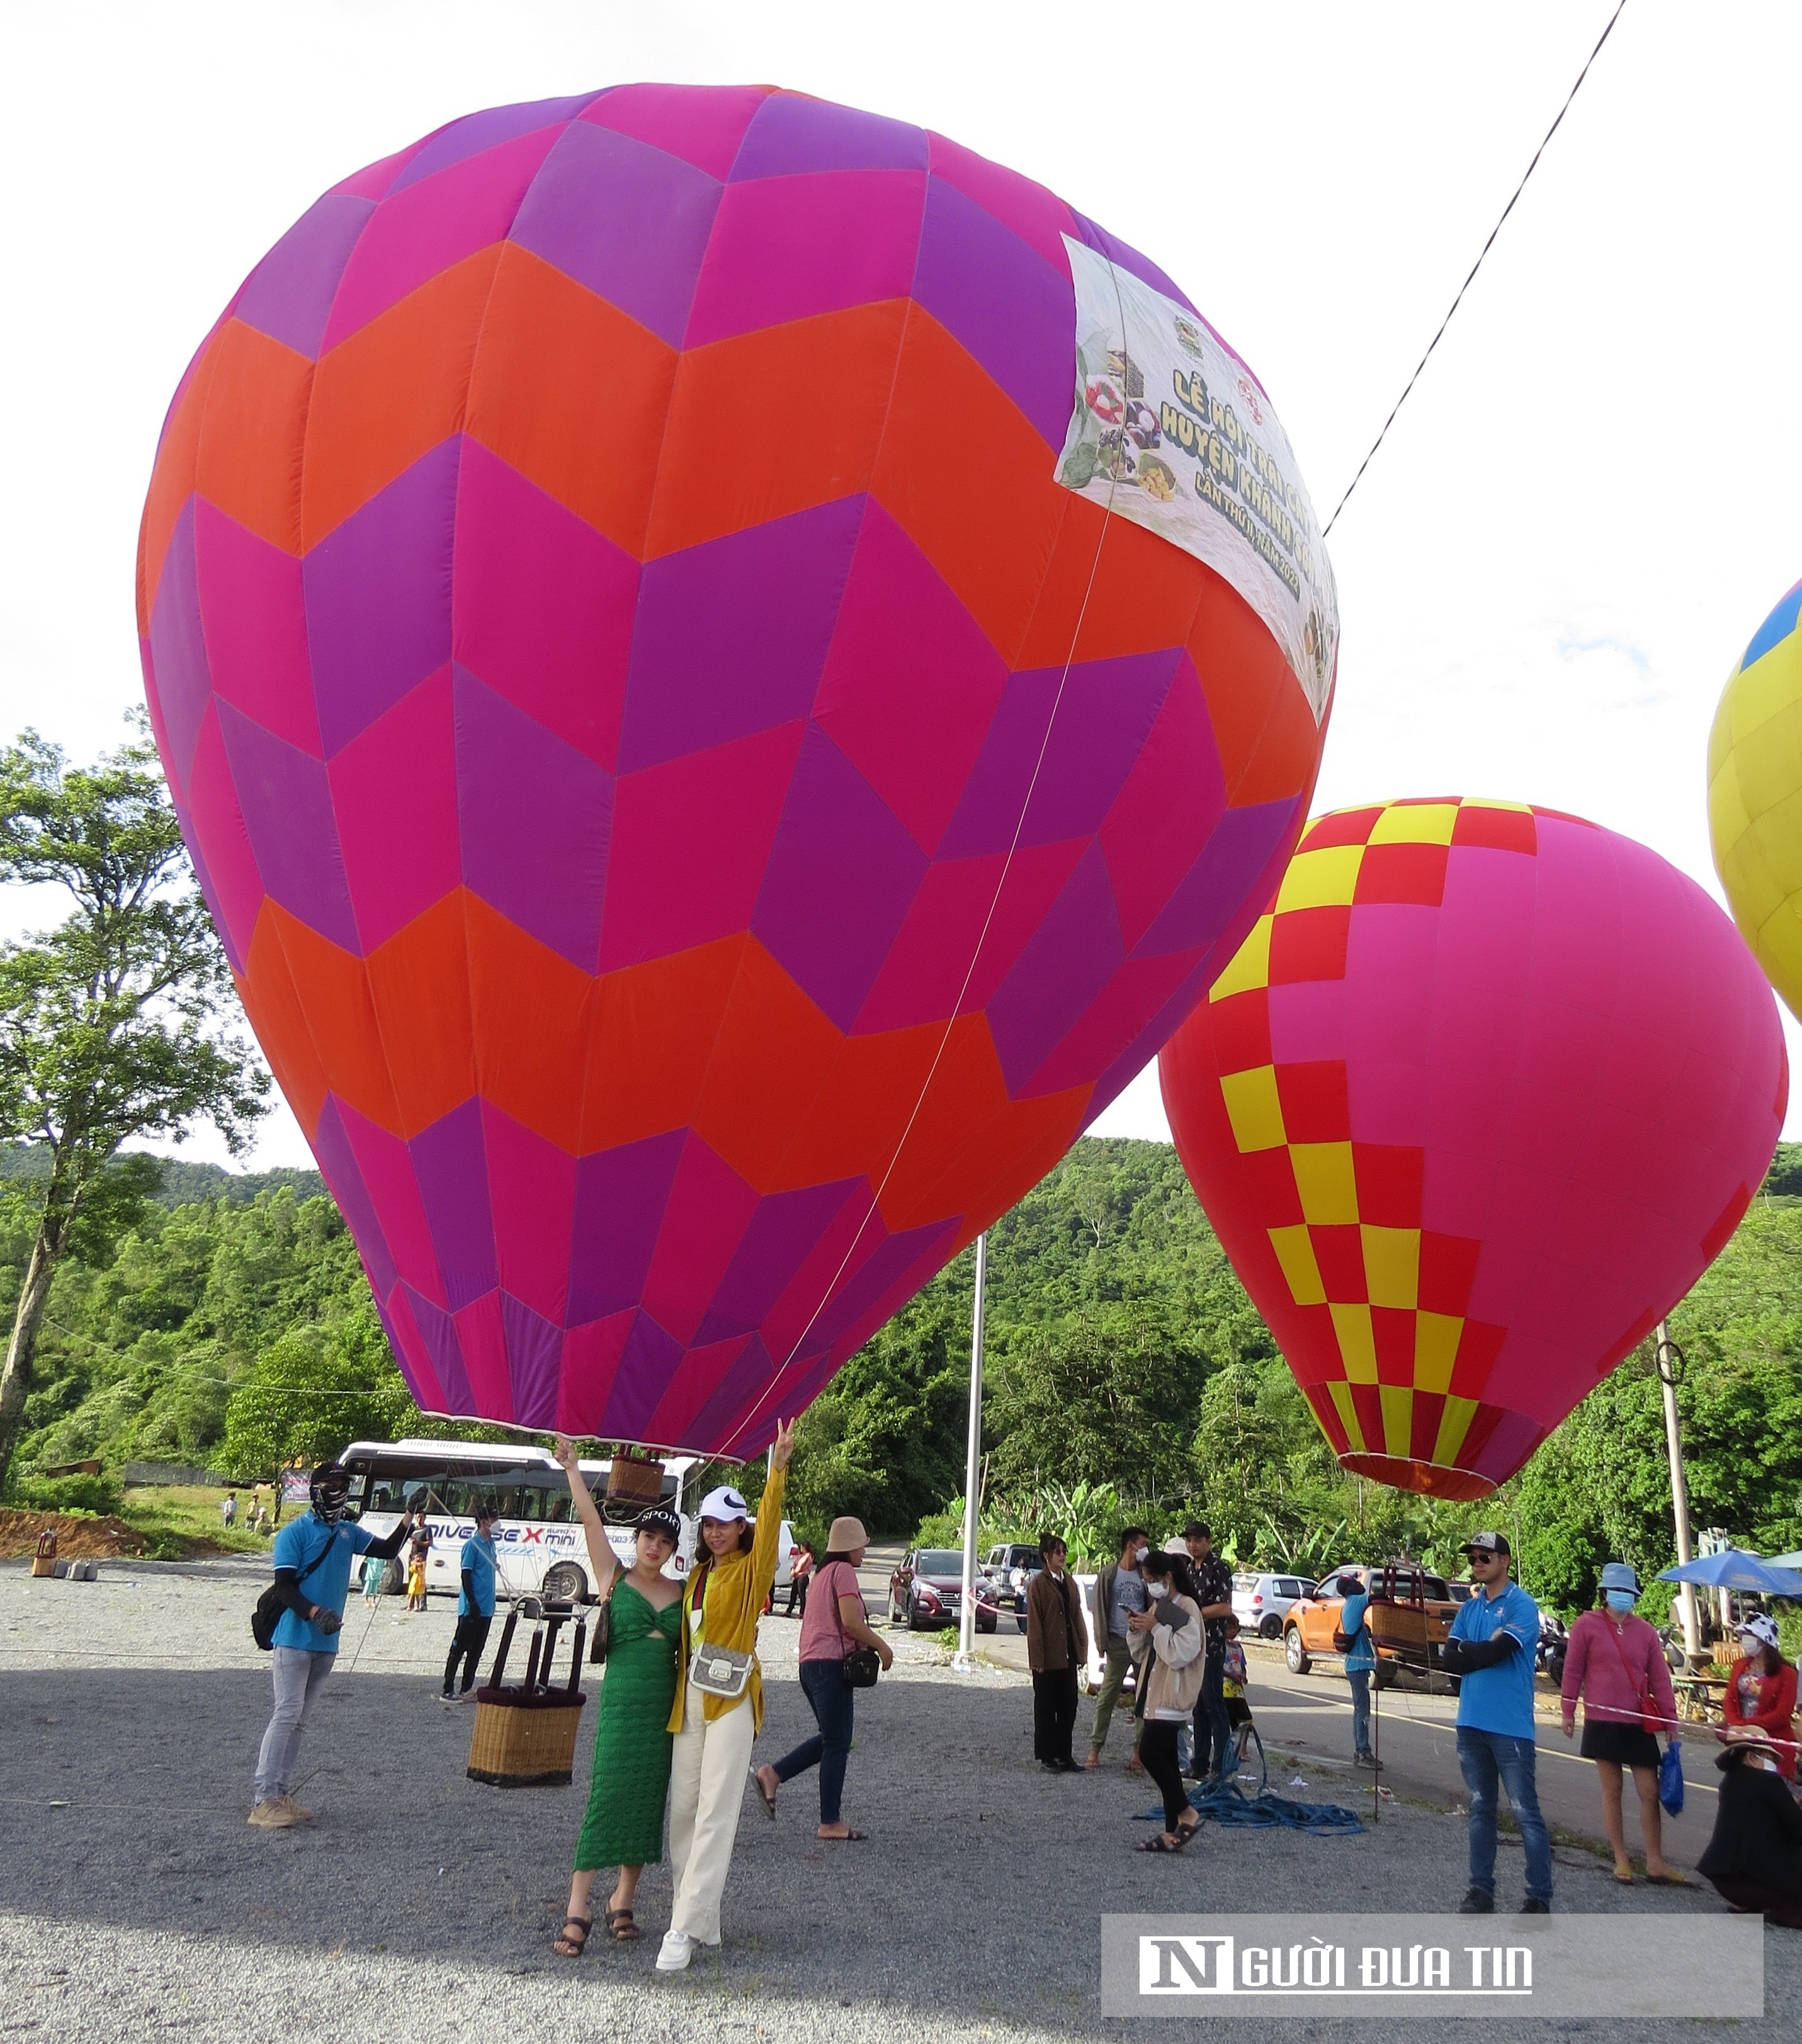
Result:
x=1309 y=1624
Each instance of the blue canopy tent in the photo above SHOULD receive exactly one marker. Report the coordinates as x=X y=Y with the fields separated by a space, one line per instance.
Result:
x=1733 y=1569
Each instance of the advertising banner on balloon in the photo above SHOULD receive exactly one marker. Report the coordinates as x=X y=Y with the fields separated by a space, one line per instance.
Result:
x=1172 y=431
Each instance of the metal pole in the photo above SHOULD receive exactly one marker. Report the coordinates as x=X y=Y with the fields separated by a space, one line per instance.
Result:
x=1669 y=1359
x=964 y=1659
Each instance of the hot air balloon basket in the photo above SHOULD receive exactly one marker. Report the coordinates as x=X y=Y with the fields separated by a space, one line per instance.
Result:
x=1400 y=1627
x=525 y=1739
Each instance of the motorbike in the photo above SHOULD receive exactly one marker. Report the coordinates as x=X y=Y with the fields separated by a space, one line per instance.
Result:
x=1554 y=1643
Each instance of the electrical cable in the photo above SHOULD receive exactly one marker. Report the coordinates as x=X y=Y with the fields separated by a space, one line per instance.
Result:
x=1475 y=267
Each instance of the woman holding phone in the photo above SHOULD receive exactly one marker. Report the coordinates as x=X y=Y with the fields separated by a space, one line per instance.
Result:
x=630 y=1782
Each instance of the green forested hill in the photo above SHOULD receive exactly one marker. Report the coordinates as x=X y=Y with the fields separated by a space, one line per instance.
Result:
x=1126 y=1372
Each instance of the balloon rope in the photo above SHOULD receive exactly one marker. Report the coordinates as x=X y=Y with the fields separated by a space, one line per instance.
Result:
x=982 y=935
x=1475 y=267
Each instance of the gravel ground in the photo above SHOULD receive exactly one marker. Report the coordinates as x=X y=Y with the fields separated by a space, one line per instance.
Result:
x=134 y=1899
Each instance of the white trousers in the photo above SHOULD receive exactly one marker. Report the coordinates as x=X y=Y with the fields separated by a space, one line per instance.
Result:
x=707 y=1781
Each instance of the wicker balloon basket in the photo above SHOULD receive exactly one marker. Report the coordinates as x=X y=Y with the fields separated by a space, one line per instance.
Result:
x=524 y=1733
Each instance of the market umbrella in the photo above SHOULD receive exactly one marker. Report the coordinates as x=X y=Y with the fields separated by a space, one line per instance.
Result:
x=1732 y=1569
x=1792 y=1560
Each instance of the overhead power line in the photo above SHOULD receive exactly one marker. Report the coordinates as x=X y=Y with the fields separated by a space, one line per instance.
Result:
x=1478 y=265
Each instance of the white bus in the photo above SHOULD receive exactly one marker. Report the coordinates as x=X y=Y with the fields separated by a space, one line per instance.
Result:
x=538 y=1541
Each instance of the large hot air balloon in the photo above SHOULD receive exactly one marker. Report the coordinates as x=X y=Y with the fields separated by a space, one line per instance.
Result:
x=730 y=671
x=1755 y=797
x=1482 y=1096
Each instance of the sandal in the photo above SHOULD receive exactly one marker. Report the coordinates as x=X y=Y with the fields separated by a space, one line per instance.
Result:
x=767 y=1795
x=1159 y=1841
x=1668 y=1881
x=621 y=1928
x=567 y=1947
x=841 y=1838
x=1624 y=1877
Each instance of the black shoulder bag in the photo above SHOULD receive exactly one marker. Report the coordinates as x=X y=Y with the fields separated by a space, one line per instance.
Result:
x=861 y=1666
x=271 y=1605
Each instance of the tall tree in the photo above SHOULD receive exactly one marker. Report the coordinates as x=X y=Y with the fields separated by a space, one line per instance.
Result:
x=117 y=1025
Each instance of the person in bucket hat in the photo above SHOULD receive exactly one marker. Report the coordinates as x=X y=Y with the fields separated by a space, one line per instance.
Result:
x=834 y=1624
x=1616 y=1667
x=1761 y=1690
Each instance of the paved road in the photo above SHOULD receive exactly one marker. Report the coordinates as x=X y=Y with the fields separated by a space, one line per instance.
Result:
x=1309 y=1718
x=134 y=1901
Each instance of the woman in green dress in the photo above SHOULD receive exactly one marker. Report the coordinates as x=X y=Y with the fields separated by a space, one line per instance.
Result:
x=625 y=1824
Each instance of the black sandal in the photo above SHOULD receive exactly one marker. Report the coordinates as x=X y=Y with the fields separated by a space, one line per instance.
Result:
x=621 y=1928
x=1159 y=1841
x=567 y=1947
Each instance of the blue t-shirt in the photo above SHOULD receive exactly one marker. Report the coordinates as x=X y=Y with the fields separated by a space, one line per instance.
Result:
x=1500 y=1699
x=300 y=1543
x=1363 y=1653
x=477 y=1560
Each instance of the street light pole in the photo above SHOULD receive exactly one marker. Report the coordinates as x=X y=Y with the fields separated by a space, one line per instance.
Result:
x=964 y=1660
x=1670 y=1366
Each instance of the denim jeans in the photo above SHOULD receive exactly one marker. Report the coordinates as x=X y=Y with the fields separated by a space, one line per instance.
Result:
x=1483 y=1757
x=1213 y=1734
x=1359 y=1678
x=297 y=1672
x=831 y=1696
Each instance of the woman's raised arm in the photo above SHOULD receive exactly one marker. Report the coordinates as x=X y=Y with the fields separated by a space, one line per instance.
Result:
x=600 y=1547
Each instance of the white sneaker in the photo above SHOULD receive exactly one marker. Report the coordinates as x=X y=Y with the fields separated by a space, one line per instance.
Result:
x=678 y=1948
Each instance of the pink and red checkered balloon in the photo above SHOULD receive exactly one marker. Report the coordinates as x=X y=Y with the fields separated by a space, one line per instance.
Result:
x=700 y=816
x=1483 y=1095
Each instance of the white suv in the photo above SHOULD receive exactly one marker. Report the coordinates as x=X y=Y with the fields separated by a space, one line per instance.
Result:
x=1261 y=1602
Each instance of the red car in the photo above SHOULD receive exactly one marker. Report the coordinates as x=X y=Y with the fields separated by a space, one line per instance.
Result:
x=926 y=1592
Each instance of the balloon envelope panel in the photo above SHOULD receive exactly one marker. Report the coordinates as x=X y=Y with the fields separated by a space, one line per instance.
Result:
x=700 y=818
x=1755 y=797
x=1481 y=1097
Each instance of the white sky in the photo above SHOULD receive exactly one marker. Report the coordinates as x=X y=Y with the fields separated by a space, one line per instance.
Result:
x=1584 y=512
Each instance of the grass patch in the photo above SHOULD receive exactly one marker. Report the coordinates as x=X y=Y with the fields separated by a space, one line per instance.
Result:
x=181 y=1522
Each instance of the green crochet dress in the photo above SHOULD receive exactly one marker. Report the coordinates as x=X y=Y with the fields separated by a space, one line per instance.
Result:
x=631 y=1783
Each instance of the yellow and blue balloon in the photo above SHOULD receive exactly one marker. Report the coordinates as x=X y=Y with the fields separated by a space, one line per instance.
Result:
x=1755 y=797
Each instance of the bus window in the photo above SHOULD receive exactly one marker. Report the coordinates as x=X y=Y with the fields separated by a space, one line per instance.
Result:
x=399 y=1481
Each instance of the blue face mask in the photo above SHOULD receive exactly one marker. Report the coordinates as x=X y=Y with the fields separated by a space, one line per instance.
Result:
x=1620 y=1599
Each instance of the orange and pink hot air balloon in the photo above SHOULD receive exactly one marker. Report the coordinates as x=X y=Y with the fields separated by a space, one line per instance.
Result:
x=1482 y=1095
x=711 y=758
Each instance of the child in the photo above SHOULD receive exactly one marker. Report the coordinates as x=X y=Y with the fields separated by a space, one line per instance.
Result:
x=374 y=1569
x=1233 y=1678
x=418 y=1548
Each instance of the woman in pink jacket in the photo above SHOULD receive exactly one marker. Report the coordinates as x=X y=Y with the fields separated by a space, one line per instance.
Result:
x=1615 y=1664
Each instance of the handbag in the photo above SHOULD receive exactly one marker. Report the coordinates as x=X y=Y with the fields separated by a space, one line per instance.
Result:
x=1670 y=1780
x=720 y=1671
x=1642 y=1700
x=271 y=1605
x=604 y=1624
x=860 y=1665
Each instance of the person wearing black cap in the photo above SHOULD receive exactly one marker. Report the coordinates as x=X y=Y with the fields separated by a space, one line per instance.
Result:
x=1211 y=1729
x=477 y=1567
x=630 y=1784
x=1493 y=1640
x=1754 y=1858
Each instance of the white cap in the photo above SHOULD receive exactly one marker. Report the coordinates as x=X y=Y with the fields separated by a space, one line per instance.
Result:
x=1760 y=1628
x=724 y=1503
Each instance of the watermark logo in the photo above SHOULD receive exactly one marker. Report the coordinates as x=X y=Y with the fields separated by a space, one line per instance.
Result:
x=1432 y=1965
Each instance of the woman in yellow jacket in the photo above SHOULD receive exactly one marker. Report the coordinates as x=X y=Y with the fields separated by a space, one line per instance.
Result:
x=721 y=1602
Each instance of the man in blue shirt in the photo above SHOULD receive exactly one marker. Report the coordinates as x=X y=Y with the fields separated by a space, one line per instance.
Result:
x=475 y=1602
x=1494 y=1639
x=313 y=1558
x=1360 y=1664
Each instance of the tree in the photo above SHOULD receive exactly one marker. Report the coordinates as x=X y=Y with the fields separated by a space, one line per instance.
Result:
x=116 y=1025
x=313 y=1391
